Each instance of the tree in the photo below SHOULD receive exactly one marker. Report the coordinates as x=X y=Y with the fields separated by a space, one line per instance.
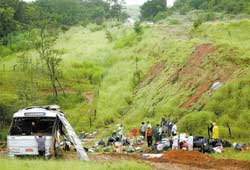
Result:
x=151 y=8
x=7 y=23
x=49 y=55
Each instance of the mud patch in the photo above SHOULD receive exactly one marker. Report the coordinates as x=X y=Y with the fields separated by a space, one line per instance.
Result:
x=203 y=88
x=153 y=72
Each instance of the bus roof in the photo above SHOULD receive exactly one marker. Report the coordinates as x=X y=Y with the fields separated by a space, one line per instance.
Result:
x=39 y=111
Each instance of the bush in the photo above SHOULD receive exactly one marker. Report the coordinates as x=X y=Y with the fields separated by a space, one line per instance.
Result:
x=66 y=102
x=94 y=27
x=196 y=122
x=197 y=23
x=174 y=22
x=127 y=41
x=3 y=134
x=138 y=28
x=109 y=36
x=4 y=51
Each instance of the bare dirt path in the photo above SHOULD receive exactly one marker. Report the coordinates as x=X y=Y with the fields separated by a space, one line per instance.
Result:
x=179 y=160
x=171 y=160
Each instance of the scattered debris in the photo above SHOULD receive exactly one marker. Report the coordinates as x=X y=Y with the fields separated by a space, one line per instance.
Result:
x=216 y=86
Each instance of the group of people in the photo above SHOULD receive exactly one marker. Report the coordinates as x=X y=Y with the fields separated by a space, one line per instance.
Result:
x=162 y=130
x=165 y=135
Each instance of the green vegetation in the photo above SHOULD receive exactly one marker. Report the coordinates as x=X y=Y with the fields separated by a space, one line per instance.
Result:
x=232 y=154
x=228 y=6
x=107 y=73
x=63 y=165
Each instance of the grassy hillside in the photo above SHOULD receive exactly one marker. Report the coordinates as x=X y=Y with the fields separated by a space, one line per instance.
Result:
x=112 y=75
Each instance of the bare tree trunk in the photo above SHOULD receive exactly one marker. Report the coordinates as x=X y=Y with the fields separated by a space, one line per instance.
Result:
x=229 y=130
x=60 y=86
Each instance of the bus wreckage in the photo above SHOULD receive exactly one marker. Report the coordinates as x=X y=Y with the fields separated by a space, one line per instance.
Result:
x=49 y=121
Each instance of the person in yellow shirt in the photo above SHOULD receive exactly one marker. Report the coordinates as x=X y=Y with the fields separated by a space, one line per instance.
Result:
x=215 y=131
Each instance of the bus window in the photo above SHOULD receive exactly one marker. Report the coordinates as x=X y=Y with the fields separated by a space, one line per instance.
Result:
x=26 y=126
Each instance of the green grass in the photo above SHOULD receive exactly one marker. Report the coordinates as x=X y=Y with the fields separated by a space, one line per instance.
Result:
x=31 y=164
x=229 y=153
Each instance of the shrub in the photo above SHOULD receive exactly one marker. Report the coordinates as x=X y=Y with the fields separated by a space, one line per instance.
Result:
x=138 y=28
x=4 y=51
x=66 y=102
x=109 y=36
x=196 y=122
x=197 y=23
x=3 y=134
x=174 y=22
x=127 y=41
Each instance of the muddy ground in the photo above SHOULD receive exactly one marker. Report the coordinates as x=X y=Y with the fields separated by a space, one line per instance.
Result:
x=171 y=160
x=179 y=160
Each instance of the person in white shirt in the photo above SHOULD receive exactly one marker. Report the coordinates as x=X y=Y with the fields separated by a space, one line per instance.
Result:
x=175 y=144
x=120 y=132
x=174 y=129
x=190 y=141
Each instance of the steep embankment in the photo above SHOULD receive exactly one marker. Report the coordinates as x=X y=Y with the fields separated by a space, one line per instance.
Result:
x=176 y=82
x=111 y=75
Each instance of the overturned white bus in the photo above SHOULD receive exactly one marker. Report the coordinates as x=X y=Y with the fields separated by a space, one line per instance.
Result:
x=49 y=121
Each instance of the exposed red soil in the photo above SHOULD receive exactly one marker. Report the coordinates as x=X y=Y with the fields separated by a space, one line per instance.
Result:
x=179 y=160
x=153 y=72
x=201 y=161
x=203 y=88
x=194 y=75
x=90 y=97
x=197 y=58
x=185 y=157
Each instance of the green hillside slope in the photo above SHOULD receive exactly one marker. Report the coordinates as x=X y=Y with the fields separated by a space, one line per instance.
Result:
x=111 y=75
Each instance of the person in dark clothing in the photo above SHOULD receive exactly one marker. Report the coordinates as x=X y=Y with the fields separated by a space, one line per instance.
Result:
x=113 y=138
x=40 y=139
x=170 y=125
x=156 y=133
x=210 y=130
x=149 y=136
x=143 y=129
x=101 y=143
x=33 y=128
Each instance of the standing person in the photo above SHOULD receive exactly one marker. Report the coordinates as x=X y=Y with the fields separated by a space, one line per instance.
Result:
x=163 y=126
x=160 y=133
x=143 y=129
x=156 y=133
x=210 y=130
x=149 y=136
x=120 y=132
x=134 y=132
x=174 y=129
x=190 y=141
x=40 y=139
x=215 y=131
x=175 y=144
x=169 y=123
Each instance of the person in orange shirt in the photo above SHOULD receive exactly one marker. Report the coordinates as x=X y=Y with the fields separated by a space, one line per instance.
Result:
x=134 y=132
